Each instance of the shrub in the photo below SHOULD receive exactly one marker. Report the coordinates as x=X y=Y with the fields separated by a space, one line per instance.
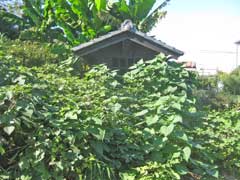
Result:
x=30 y=53
x=231 y=82
x=219 y=134
x=55 y=125
x=218 y=91
x=18 y=56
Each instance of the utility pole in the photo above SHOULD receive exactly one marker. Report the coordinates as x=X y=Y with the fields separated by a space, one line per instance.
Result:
x=237 y=44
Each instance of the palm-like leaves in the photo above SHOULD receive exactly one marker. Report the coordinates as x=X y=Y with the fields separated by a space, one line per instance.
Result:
x=82 y=20
x=140 y=12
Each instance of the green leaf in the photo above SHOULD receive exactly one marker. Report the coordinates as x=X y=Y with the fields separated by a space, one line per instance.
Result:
x=170 y=89
x=107 y=28
x=100 y=4
x=97 y=120
x=9 y=95
x=127 y=176
x=31 y=11
x=9 y=129
x=181 y=135
x=97 y=146
x=2 y=150
x=142 y=8
x=213 y=173
x=177 y=176
x=152 y=120
x=166 y=130
x=186 y=153
x=28 y=112
x=176 y=106
x=141 y=113
x=4 y=177
x=59 y=165
x=157 y=156
x=116 y=107
x=181 y=169
x=71 y=115
x=39 y=155
x=123 y=8
x=182 y=85
x=98 y=133
x=20 y=80
x=176 y=155
x=177 y=119
x=158 y=142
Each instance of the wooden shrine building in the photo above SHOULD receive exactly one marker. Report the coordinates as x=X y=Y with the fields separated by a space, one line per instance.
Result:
x=122 y=48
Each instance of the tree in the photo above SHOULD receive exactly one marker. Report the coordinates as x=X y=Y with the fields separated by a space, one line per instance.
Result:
x=9 y=18
x=231 y=82
x=140 y=12
x=78 y=21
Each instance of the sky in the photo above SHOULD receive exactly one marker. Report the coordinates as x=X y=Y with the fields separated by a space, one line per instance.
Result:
x=205 y=30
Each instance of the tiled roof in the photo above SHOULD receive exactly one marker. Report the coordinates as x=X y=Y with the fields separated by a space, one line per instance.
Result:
x=129 y=33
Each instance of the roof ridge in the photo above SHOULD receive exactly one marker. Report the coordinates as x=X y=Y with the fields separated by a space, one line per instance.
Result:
x=132 y=31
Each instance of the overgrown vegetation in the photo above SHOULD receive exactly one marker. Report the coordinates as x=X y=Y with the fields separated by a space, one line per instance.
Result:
x=218 y=98
x=219 y=91
x=219 y=134
x=157 y=121
x=55 y=124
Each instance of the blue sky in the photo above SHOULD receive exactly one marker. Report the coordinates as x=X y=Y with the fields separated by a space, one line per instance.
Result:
x=204 y=29
x=193 y=6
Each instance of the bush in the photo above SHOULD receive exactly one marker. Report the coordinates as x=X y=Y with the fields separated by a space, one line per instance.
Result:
x=219 y=135
x=18 y=56
x=218 y=91
x=231 y=82
x=55 y=125
x=29 y=53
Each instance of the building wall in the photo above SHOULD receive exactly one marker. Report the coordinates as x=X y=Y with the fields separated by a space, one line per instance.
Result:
x=123 y=54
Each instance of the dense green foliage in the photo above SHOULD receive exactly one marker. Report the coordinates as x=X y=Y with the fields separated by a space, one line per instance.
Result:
x=231 y=82
x=77 y=21
x=57 y=125
x=219 y=91
x=219 y=134
x=10 y=23
x=217 y=96
x=58 y=122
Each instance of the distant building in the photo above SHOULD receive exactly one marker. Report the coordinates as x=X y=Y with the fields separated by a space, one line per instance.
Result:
x=189 y=65
x=122 y=48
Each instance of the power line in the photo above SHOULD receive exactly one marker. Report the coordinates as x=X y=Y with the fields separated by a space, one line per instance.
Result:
x=217 y=52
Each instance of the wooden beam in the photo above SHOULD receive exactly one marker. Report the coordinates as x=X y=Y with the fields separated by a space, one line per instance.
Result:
x=103 y=44
x=149 y=45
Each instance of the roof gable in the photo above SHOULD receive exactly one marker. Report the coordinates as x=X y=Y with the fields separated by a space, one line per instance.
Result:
x=122 y=35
